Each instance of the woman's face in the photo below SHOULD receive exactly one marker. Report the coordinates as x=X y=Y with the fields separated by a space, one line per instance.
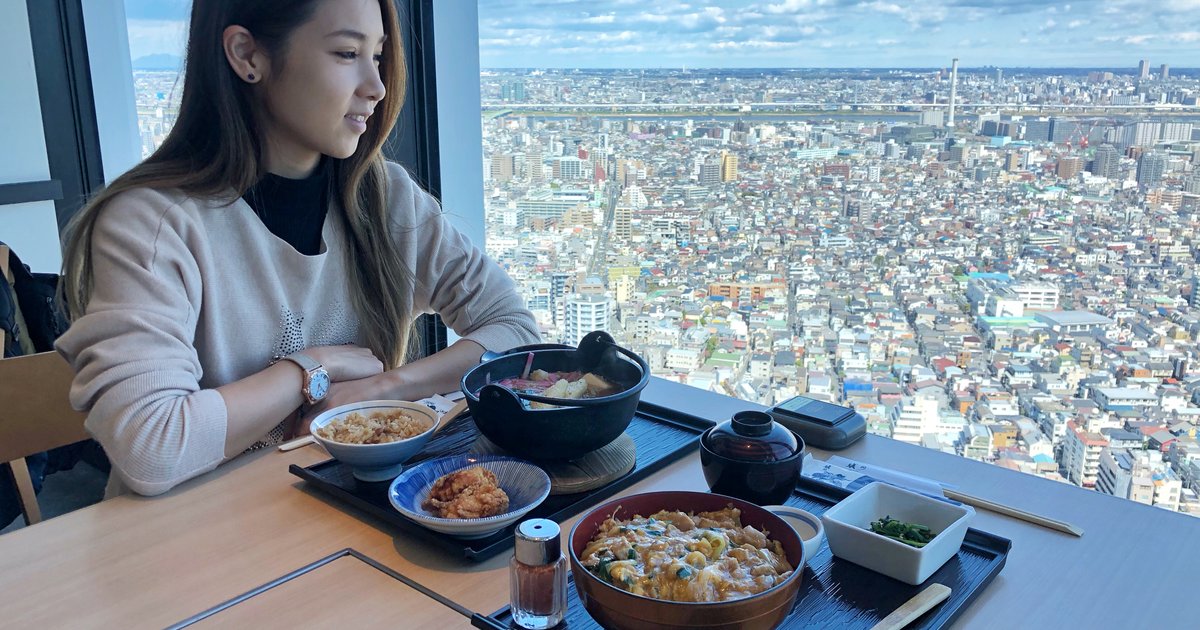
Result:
x=318 y=100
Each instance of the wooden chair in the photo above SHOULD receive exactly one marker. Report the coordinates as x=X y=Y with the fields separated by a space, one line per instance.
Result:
x=35 y=414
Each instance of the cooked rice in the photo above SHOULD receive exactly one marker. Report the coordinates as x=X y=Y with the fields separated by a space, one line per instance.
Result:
x=380 y=427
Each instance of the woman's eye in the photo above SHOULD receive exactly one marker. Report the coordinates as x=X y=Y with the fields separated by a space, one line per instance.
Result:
x=348 y=55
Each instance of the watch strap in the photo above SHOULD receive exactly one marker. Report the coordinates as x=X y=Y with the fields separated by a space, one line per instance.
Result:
x=306 y=363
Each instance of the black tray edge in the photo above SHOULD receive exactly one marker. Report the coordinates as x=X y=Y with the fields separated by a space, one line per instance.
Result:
x=394 y=521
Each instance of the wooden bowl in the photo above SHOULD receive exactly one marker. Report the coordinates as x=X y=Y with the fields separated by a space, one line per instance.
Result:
x=618 y=609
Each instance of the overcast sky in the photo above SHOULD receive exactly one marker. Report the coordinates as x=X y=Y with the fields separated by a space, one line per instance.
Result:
x=795 y=33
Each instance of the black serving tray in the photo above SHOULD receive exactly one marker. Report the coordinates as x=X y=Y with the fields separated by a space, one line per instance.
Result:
x=837 y=593
x=662 y=436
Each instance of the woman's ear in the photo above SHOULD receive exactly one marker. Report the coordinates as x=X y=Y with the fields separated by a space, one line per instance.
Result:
x=245 y=58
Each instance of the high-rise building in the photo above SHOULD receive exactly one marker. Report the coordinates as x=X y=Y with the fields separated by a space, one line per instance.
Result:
x=999 y=76
x=1150 y=168
x=1164 y=72
x=1037 y=130
x=729 y=167
x=1069 y=166
x=503 y=167
x=1105 y=161
x=1081 y=455
x=932 y=117
x=1140 y=134
x=513 y=91
x=571 y=167
x=1130 y=474
x=913 y=417
x=1175 y=131
x=953 y=93
x=851 y=206
x=710 y=172
x=1191 y=184
x=584 y=313
x=1144 y=69
x=1013 y=161
x=533 y=167
x=623 y=223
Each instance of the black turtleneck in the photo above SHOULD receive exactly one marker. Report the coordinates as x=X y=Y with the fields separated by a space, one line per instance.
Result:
x=294 y=209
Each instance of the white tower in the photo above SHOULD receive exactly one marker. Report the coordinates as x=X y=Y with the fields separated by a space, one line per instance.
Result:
x=953 y=92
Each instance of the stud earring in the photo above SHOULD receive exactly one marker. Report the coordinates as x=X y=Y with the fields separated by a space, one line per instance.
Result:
x=250 y=77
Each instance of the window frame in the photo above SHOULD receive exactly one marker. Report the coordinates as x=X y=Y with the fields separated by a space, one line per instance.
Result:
x=69 y=122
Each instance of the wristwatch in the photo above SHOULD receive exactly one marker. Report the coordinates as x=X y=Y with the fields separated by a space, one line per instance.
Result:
x=316 y=378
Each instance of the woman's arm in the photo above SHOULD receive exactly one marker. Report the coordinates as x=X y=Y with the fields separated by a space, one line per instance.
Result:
x=454 y=278
x=435 y=374
x=137 y=372
x=137 y=369
x=259 y=402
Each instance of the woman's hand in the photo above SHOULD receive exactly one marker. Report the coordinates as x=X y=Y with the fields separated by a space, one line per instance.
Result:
x=346 y=363
x=377 y=387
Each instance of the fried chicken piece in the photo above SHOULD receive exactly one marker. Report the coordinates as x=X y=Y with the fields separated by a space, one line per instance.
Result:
x=468 y=493
x=451 y=485
x=478 y=501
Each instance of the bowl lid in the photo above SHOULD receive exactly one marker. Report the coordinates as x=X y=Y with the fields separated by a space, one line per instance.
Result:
x=752 y=436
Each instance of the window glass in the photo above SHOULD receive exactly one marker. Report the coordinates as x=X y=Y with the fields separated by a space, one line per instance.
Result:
x=974 y=224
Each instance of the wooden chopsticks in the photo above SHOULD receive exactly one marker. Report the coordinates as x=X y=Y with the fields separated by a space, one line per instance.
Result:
x=999 y=508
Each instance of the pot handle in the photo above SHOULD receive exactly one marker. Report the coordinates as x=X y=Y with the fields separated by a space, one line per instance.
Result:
x=505 y=399
x=595 y=344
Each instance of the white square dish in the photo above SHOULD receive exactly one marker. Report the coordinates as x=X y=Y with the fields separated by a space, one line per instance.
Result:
x=847 y=528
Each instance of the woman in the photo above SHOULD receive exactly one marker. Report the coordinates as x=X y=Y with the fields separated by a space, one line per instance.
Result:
x=267 y=227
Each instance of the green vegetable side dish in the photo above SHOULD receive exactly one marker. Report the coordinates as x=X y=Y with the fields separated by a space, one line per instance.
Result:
x=911 y=534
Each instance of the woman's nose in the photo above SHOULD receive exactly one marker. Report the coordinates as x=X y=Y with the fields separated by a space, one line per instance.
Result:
x=372 y=87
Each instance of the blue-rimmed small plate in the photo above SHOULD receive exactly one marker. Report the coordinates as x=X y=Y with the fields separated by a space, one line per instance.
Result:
x=526 y=486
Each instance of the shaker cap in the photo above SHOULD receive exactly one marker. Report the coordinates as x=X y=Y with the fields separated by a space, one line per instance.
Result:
x=537 y=542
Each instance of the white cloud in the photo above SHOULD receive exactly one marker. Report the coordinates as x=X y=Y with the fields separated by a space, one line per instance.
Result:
x=1181 y=6
x=656 y=18
x=781 y=32
x=153 y=37
x=788 y=6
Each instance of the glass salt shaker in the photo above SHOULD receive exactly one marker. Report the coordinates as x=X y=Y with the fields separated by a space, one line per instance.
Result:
x=538 y=575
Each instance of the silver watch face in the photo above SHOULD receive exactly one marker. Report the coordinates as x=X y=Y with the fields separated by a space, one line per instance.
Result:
x=318 y=384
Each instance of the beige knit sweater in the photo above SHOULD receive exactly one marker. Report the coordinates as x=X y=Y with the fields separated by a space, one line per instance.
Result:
x=191 y=295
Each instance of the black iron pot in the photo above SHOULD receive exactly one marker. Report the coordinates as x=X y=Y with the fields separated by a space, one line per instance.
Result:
x=576 y=426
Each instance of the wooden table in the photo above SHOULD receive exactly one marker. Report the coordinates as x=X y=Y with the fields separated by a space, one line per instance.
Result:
x=150 y=562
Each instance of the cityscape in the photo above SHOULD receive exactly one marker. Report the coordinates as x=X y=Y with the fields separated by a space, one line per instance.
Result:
x=997 y=263
x=1009 y=282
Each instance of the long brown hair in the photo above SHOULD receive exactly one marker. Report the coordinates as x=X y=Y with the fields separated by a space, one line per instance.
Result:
x=215 y=151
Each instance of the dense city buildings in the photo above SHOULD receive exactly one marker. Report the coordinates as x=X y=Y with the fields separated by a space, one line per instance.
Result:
x=1014 y=289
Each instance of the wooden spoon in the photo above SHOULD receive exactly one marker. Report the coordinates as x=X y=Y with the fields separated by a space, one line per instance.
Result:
x=933 y=595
